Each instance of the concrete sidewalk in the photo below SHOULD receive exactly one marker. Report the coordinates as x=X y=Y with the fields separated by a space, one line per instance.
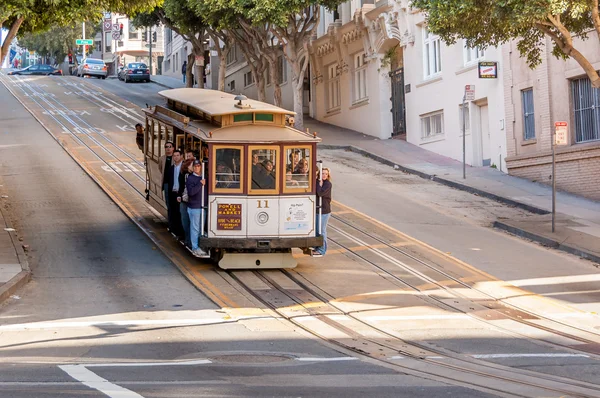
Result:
x=578 y=221
x=14 y=268
x=167 y=81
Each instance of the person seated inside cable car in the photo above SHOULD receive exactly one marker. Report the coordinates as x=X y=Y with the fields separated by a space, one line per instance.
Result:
x=264 y=177
x=301 y=173
x=224 y=176
x=289 y=180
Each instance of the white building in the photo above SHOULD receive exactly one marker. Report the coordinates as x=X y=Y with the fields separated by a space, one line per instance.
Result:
x=378 y=70
x=177 y=49
x=133 y=45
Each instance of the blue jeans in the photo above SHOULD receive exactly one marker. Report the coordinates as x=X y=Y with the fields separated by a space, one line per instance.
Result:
x=322 y=232
x=166 y=198
x=195 y=215
x=185 y=222
x=184 y=77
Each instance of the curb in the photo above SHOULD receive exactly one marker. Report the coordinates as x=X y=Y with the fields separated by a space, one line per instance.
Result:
x=21 y=279
x=554 y=244
x=433 y=177
x=161 y=84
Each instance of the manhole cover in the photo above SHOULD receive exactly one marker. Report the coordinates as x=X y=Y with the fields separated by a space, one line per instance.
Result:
x=249 y=359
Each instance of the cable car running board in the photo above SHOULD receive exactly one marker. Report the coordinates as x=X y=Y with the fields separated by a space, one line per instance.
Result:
x=257 y=261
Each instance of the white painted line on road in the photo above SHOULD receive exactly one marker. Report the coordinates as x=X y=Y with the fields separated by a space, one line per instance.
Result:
x=145 y=364
x=126 y=382
x=334 y=359
x=557 y=280
x=550 y=355
x=434 y=357
x=118 y=323
x=397 y=357
x=92 y=380
x=416 y=317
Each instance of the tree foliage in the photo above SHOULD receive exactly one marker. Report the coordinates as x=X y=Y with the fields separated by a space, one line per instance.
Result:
x=58 y=41
x=493 y=22
x=179 y=16
x=31 y=16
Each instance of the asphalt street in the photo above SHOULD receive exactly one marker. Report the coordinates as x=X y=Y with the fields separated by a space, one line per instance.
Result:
x=105 y=306
x=102 y=295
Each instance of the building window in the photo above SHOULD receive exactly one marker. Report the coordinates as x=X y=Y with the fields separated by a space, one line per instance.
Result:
x=282 y=69
x=133 y=32
x=432 y=54
x=333 y=88
x=232 y=85
x=528 y=114
x=231 y=55
x=432 y=124
x=472 y=54
x=248 y=79
x=360 y=77
x=586 y=109
x=467 y=112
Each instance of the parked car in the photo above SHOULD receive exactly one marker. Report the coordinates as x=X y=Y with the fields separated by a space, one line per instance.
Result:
x=92 y=67
x=135 y=71
x=43 y=70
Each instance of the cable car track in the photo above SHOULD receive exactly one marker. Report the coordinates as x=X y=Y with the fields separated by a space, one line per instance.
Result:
x=76 y=136
x=391 y=343
x=456 y=294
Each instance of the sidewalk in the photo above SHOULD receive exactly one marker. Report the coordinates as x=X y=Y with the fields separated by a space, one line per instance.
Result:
x=14 y=268
x=578 y=219
x=167 y=81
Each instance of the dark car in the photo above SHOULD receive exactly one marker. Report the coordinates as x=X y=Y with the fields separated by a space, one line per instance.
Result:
x=42 y=70
x=135 y=71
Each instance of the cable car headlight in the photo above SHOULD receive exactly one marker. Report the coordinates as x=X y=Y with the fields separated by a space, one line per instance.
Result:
x=262 y=218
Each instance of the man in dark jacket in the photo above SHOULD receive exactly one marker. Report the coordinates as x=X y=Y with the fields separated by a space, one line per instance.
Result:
x=197 y=199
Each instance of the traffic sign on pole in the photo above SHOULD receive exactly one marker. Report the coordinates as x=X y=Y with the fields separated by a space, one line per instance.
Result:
x=116 y=35
x=562 y=131
x=107 y=25
x=470 y=92
x=82 y=42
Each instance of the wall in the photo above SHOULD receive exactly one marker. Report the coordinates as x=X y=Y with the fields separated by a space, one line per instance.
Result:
x=578 y=164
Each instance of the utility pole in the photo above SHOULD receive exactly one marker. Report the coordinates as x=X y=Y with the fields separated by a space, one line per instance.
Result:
x=150 y=41
x=83 y=28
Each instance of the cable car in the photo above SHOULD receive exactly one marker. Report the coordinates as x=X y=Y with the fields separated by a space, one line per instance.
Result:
x=260 y=174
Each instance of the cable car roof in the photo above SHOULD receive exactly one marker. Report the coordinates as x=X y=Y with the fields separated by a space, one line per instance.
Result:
x=217 y=103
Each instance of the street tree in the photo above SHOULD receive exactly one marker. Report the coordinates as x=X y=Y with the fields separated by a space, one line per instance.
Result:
x=180 y=17
x=491 y=22
x=57 y=41
x=223 y=44
x=22 y=16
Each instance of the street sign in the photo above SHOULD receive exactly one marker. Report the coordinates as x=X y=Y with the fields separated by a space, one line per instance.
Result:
x=107 y=25
x=488 y=70
x=200 y=60
x=470 y=92
x=116 y=35
x=561 y=133
x=147 y=45
x=214 y=53
x=82 y=42
x=107 y=15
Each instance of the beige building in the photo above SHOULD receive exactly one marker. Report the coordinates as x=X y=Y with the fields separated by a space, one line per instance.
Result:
x=557 y=90
x=378 y=70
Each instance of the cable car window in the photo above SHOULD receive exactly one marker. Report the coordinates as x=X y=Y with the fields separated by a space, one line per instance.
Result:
x=242 y=117
x=298 y=173
x=263 y=169
x=227 y=165
x=156 y=139
x=263 y=117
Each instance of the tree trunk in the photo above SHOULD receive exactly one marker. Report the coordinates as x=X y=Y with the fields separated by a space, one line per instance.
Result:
x=12 y=32
x=222 y=70
x=299 y=63
x=198 y=69
x=189 y=69
x=275 y=78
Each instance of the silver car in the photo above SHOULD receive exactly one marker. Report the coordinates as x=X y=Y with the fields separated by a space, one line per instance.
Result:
x=92 y=67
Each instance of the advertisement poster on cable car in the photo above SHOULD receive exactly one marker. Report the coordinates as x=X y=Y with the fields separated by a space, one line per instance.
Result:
x=298 y=216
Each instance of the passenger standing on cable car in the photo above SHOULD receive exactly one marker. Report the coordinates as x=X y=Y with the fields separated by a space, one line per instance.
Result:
x=139 y=136
x=165 y=166
x=186 y=170
x=195 y=185
x=174 y=214
x=324 y=192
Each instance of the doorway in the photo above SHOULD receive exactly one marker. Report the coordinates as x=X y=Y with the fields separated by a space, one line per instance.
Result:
x=398 y=103
x=486 y=153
